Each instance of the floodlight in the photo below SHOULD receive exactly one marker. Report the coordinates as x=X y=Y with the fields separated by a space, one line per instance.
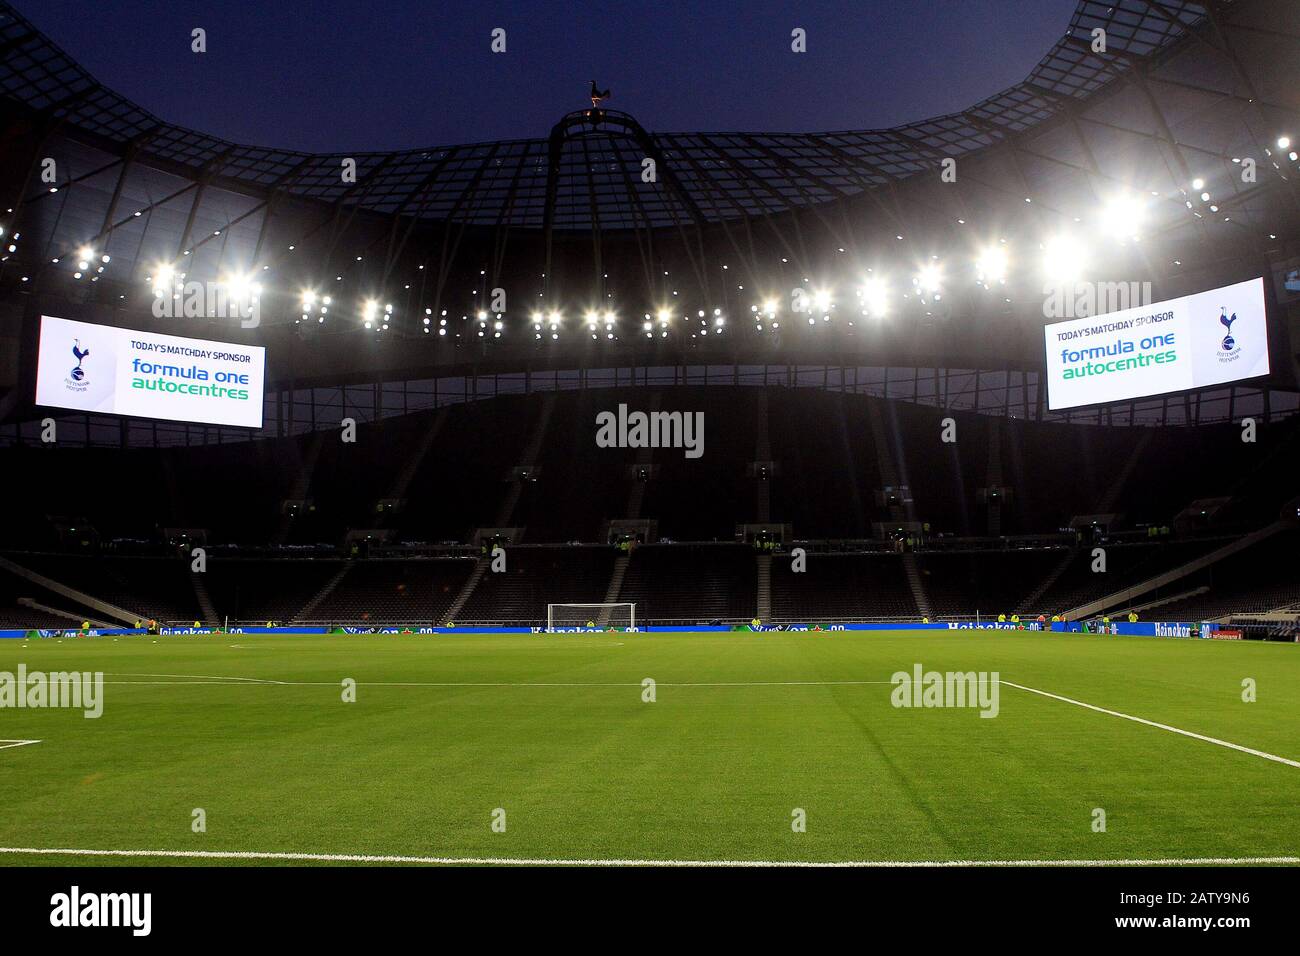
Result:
x=875 y=293
x=1123 y=215
x=1063 y=257
x=991 y=265
x=164 y=274
x=929 y=278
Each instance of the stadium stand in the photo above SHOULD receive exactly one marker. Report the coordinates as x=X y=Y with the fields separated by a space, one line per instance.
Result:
x=15 y=612
x=831 y=453
x=576 y=487
x=535 y=577
x=392 y=592
x=1258 y=580
x=848 y=587
x=1124 y=562
x=691 y=583
x=153 y=587
x=986 y=583
x=255 y=591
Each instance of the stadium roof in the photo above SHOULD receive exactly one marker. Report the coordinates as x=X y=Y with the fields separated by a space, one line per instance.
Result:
x=579 y=178
x=1165 y=116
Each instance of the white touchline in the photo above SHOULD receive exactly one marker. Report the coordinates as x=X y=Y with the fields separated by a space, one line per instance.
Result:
x=6 y=744
x=524 y=861
x=1152 y=723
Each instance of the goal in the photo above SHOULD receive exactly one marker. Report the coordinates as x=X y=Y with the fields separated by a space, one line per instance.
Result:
x=562 y=617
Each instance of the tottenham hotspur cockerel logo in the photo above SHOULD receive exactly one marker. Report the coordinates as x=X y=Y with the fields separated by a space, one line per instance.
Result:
x=80 y=354
x=1229 y=343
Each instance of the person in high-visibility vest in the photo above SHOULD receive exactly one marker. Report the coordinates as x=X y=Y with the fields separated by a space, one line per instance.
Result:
x=1002 y=619
x=1132 y=617
x=756 y=623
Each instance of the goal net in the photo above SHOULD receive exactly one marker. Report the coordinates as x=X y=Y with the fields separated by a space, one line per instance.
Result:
x=563 y=617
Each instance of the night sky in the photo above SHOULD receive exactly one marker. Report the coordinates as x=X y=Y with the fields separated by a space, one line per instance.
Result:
x=331 y=75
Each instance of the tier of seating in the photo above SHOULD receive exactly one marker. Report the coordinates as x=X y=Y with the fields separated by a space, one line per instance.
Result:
x=152 y=587
x=535 y=577
x=456 y=470
x=691 y=583
x=1259 y=579
x=670 y=583
x=14 y=589
x=1088 y=577
x=983 y=583
x=244 y=589
x=846 y=467
x=390 y=592
x=844 y=587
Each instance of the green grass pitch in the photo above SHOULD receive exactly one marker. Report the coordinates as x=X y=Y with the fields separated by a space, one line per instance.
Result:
x=745 y=728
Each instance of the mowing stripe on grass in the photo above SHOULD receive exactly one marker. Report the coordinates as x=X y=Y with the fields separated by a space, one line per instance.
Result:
x=518 y=861
x=1152 y=723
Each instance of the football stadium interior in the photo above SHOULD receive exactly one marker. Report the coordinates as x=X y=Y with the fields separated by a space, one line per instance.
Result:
x=693 y=386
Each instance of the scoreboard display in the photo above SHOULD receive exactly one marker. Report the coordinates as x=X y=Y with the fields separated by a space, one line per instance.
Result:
x=1209 y=338
x=101 y=368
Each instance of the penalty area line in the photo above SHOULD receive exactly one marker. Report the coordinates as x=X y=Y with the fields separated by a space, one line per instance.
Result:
x=524 y=861
x=1151 y=723
x=6 y=744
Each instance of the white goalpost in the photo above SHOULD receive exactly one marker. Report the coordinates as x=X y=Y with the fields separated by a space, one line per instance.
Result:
x=618 y=614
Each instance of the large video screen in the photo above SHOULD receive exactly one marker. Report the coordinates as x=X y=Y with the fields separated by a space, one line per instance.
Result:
x=1191 y=342
x=100 y=368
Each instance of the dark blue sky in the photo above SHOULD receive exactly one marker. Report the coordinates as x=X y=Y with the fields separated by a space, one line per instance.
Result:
x=332 y=75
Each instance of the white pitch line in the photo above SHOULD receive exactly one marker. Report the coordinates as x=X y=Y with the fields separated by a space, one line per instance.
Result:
x=6 y=744
x=524 y=861
x=1151 y=723
x=202 y=680
x=196 y=677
